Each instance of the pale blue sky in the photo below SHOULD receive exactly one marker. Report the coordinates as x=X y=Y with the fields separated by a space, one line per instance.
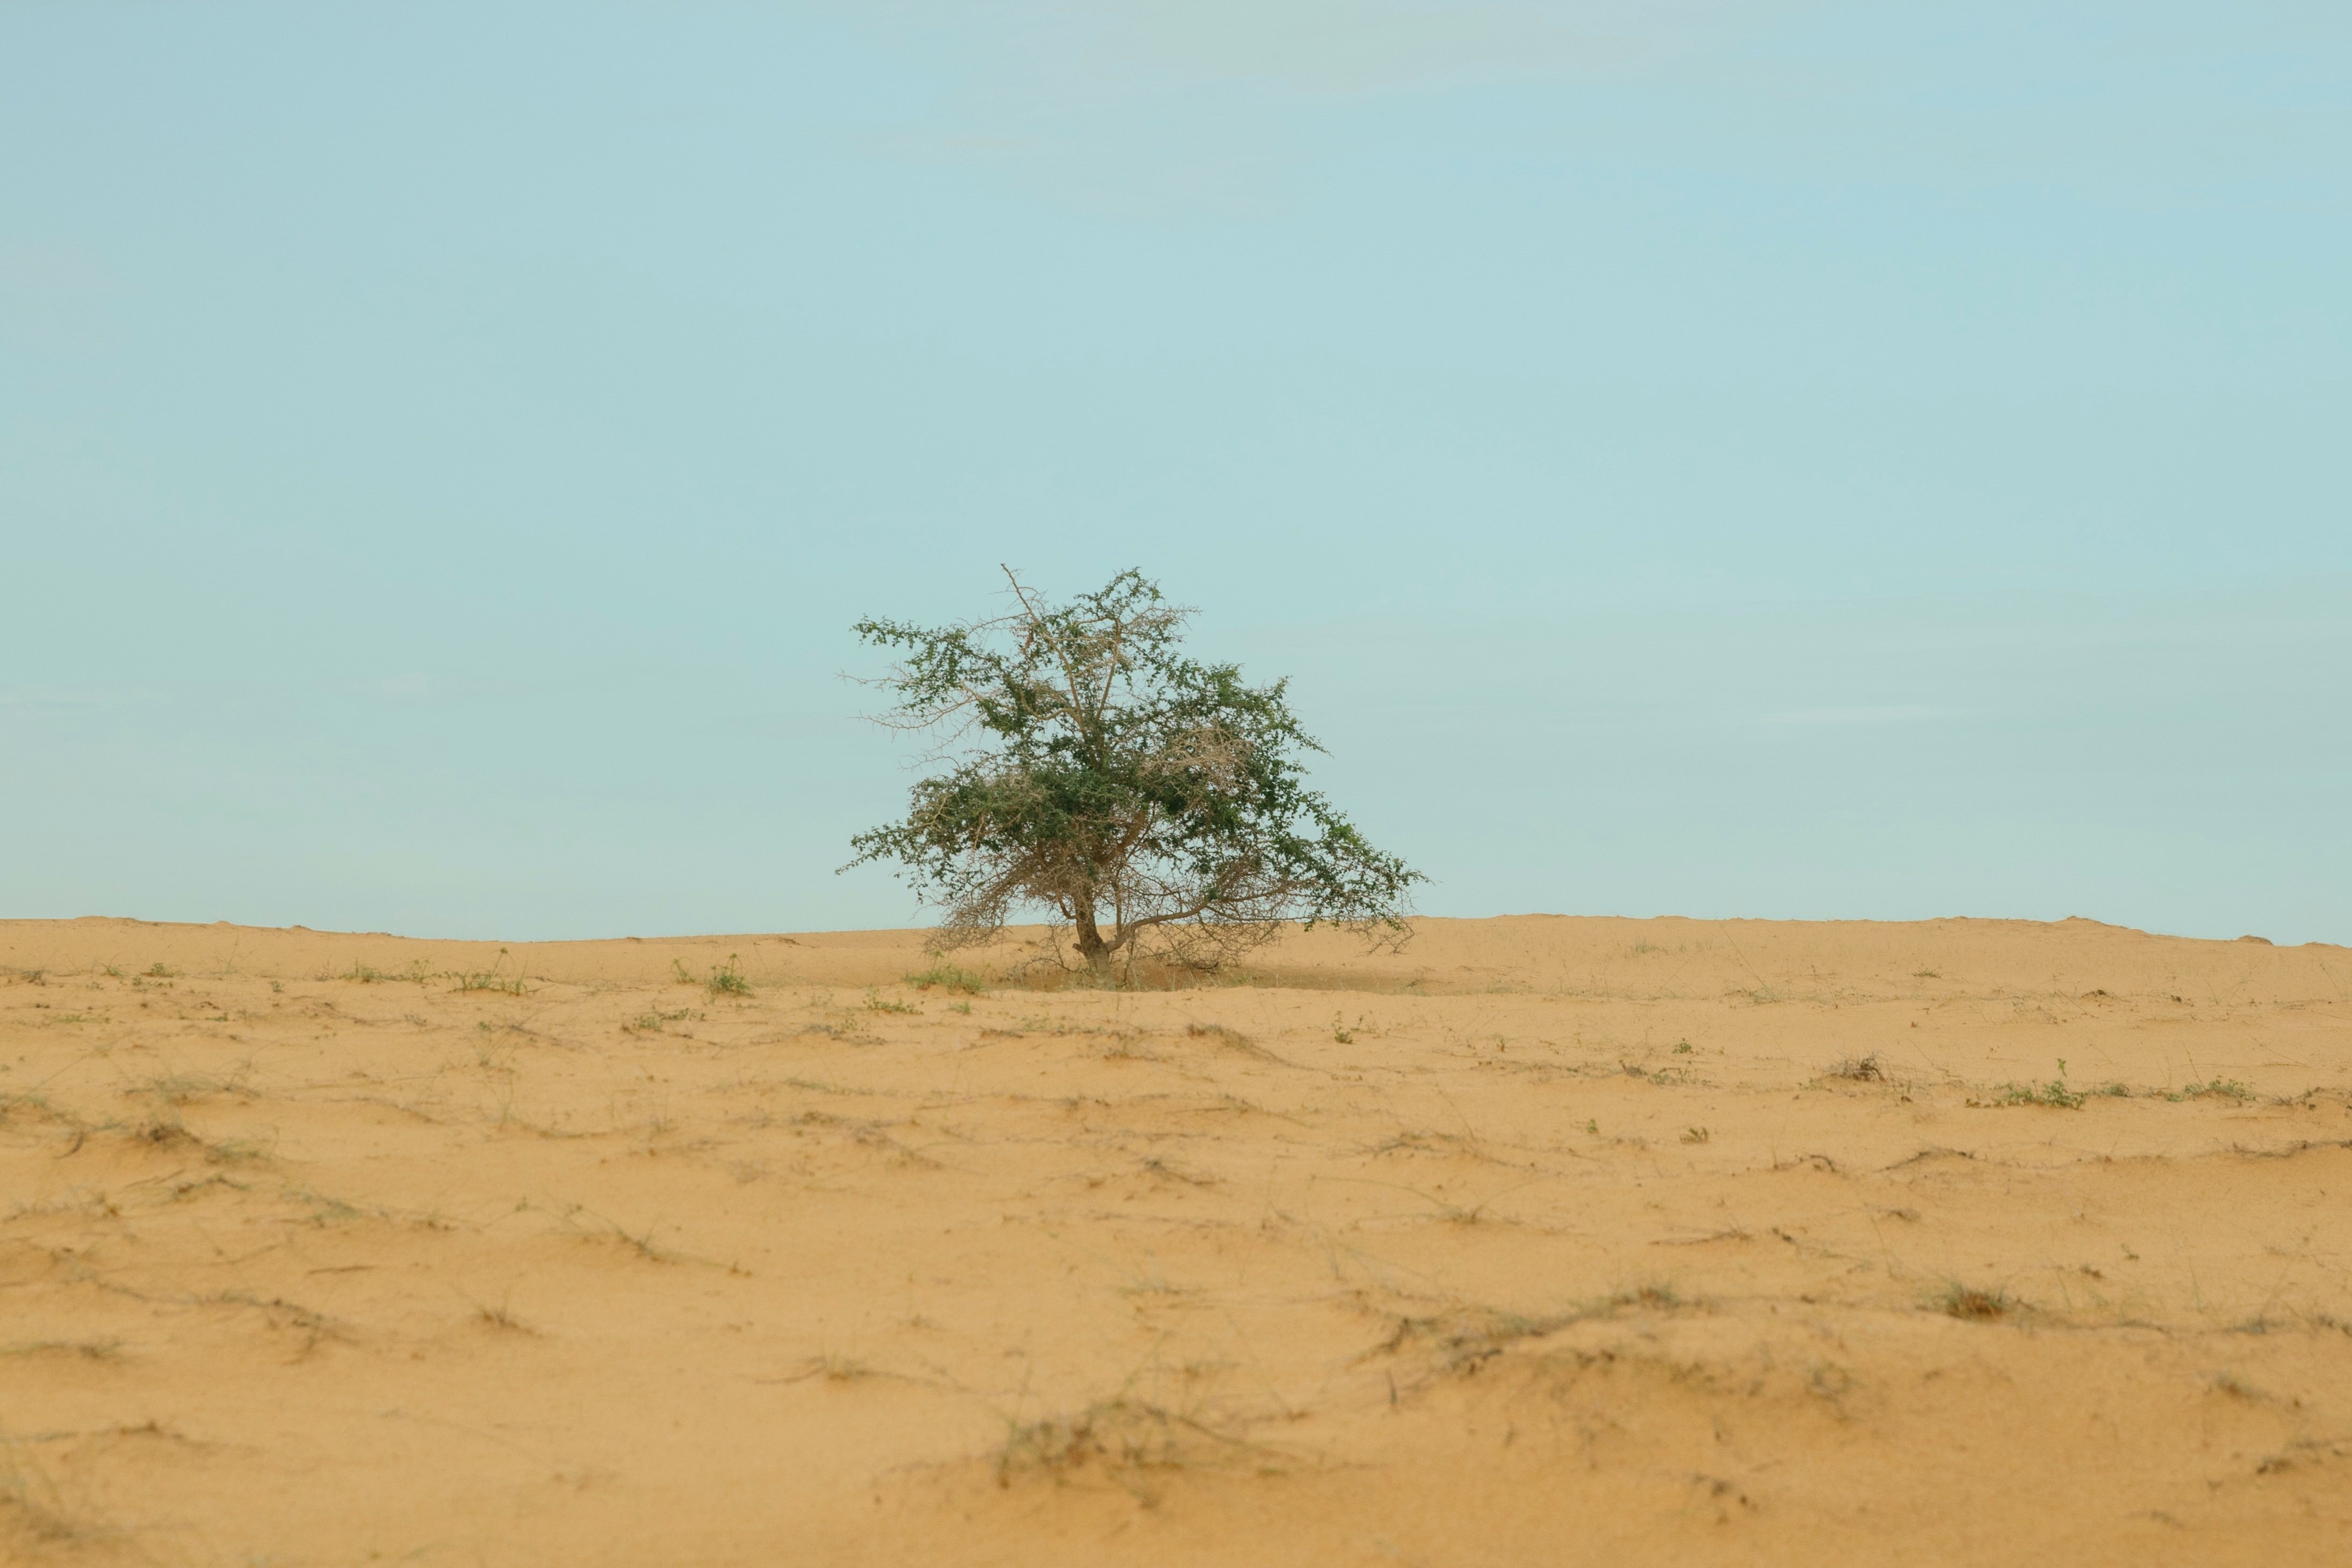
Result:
x=1786 y=460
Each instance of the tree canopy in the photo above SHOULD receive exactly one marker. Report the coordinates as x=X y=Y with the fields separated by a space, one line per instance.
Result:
x=1142 y=801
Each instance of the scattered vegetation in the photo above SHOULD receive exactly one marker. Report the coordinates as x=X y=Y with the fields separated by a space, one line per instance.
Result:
x=2215 y=1089
x=187 y=1088
x=367 y=975
x=1463 y=1339
x=2053 y=1093
x=948 y=977
x=494 y=978
x=1118 y=1435
x=1175 y=1145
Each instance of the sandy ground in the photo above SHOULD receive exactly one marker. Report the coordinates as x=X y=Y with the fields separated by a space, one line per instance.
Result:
x=1545 y=1241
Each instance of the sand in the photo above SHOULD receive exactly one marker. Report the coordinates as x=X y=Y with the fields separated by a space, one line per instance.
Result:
x=1543 y=1241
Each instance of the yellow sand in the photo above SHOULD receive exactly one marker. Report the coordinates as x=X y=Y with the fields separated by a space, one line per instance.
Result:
x=1548 y=1242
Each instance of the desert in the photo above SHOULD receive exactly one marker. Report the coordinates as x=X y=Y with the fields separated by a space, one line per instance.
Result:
x=1537 y=1241
x=1175 y=784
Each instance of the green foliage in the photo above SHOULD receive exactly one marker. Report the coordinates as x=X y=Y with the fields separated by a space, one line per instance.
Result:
x=727 y=979
x=1140 y=798
x=876 y=1002
x=2218 y=1089
x=491 y=980
x=367 y=975
x=949 y=977
x=2053 y=1093
x=494 y=978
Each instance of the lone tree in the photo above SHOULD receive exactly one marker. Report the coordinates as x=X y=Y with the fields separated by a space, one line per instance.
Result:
x=1148 y=802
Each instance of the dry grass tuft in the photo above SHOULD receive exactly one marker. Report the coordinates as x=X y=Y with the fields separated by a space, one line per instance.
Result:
x=84 y=1349
x=1973 y=1305
x=1464 y=1339
x=1232 y=1040
x=189 y=1088
x=1120 y=1435
x=164 y=1136
x=1859 y=1069
x=41 y=1524
x=500 y=1318
x=833 y=1367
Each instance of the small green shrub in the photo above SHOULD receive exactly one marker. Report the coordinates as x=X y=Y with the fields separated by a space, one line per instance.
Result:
x=2217 y=1089
x=494 y=978
x=876 y=1002
x=367 y=975
x=948 y=977
x=2053 y=1093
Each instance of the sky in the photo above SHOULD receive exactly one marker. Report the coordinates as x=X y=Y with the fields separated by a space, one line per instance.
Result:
x=1782 y=460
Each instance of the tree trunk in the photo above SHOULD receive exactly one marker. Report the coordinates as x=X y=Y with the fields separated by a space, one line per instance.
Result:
x=1091 y=945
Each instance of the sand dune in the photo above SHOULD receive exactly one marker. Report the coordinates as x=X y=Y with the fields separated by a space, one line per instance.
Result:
x=1544 y=1242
